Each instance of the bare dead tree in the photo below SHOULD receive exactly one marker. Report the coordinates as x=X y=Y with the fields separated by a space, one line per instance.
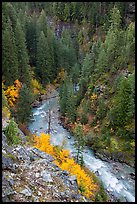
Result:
x=49 y=121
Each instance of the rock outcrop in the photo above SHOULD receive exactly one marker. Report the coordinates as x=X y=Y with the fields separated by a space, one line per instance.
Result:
x=30 y=175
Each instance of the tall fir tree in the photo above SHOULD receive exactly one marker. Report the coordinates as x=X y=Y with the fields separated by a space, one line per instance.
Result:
x=22 y=54
x=79 y=143
x=123 y=109
x=43 y=59
x=42 y=23
x=24 y=110
x=50 y=40
x=9 y=12
x=9 y=55
x=71 y=102
x=110 y=48
x=31 y=37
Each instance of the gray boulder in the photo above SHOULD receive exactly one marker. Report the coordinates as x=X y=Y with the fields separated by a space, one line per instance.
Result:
x=26 y=192
x=46 y=176
x=4 y=140
x=22 y=154
x=6 y=188
x=72 y=179
x=7 y=163
x=43 y=155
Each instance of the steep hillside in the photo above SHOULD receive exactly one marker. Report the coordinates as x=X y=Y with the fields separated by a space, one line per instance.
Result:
x=100 y=92
x=30 y=175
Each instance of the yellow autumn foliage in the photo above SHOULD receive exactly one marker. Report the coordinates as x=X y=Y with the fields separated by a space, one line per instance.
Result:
x=94 y=96
x=37 y=88
x=43 y=143
x=12 y=92
x=86 y=184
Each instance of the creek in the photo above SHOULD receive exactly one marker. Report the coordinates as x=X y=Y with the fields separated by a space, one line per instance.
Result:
x=116 y=176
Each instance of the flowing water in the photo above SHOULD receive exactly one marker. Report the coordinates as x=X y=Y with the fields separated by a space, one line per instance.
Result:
x=114 y=175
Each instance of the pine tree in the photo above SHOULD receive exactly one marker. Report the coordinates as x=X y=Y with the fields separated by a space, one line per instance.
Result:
x=43 y=59
x=23 y=59
x=66 y=12
x=79 y=143
x=9 y=55
x=24 y=110
x=9 y=12
x=130 y=42
x=110 y=49
x=42 y=23
x=69 y=54
x=50 y=41
x=31 y=38
x=71 y=102
x=123 y=109
x=63 y=96
x=75 y=73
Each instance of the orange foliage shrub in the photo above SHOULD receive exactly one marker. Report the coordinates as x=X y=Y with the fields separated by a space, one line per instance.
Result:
x=12 y=92
x=86 y=183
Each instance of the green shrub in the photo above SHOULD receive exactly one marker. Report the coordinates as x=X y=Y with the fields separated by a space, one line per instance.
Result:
x=101 y=196
x=11 y=131
x=94 y=122
x=84 y=119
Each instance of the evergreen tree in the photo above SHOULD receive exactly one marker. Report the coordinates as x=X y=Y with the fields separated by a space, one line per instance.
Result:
x=24 y=110
x=69 y=54
x=110 y=49
x=63 y=96
x=66 y=12
x=42 y=23
x=124 y=106
x=75 y=73
x=9 y=55
x=43 y=59
x=23 y=59
x=79 y=143
x=87 y=67
x=130 y=43
x=9 y=12
x=50 y=41
x=71 y=102
x=31 y=38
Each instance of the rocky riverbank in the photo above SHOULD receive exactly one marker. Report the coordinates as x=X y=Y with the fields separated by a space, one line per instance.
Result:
x=114 y=156
x=103 y=154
